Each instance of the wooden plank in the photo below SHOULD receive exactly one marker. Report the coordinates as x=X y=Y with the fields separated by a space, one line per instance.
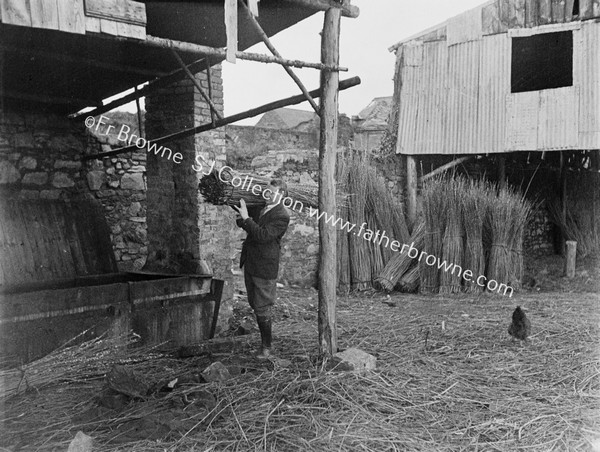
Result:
x=131 y=31
x=569 y=10
x=558 y=11
x=490 y=17
x=586 y=9
x=15 y=12
x=29 y=256
x=513 y=13
x=5 y=244
x=70 y=16
x=596 y=8
x=58 y=218
x=545 y=9
x=231 y=22
x=108 y=27
x=92 y=25
x=531 y=13
x=44 y=14
x=124 y=11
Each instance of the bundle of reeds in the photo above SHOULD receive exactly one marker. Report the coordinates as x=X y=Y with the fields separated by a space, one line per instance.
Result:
x=87 y=360
x=343 y=258
x=452 y=242
x=434 y=206
x=400 y=263
x=474 y=211
x=228 y=187
x=410 y=280
x=508 y=215
x=359 y=249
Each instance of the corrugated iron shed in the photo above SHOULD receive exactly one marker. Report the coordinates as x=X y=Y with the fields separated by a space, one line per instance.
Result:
x=456 y=96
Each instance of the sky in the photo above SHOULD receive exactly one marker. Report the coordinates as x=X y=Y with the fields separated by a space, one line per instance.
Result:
x=364 y=44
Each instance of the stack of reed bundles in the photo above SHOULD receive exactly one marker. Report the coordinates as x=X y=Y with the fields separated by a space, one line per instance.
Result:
x=401 y=263
x=508 y=214
x=474 y=211
x=369 y=202
x=452 y=242
x=434 y=207
x=359 y=248
x=467 y=225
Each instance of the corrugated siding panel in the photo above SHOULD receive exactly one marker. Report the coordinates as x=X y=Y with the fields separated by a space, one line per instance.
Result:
x=463 y=87
x=558 y=123
x=586 y=75
x=409 y=98
x=494 y=85
x=432 y=99
x=522 y=110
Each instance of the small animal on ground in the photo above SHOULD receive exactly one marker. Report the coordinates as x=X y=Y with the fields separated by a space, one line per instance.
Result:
x=520 y=328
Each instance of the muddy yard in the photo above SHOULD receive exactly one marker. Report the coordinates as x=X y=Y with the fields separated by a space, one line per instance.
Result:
x=448 y=377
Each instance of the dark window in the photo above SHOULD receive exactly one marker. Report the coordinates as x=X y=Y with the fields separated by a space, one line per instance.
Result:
x=575 y=11
x=542 y=61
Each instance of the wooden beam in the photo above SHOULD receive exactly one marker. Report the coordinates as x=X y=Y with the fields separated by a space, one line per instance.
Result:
x=347 y=9
x=330 y=52
x=196 y=83
x=411 y=190
x=274 y=51
x=344 y=84
x=445 y=167
x=189 y=47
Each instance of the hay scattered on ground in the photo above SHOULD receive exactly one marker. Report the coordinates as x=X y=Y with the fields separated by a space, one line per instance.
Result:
x=448 y=379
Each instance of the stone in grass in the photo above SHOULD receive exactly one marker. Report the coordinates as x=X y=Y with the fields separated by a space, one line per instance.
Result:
x=353 y=360
x=81 y=443
x=216 y=372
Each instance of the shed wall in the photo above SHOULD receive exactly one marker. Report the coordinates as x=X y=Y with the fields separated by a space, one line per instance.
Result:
x=456 y=94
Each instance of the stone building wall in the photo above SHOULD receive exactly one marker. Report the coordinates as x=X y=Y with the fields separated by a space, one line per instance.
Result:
x=185 y=234
x=39 y=155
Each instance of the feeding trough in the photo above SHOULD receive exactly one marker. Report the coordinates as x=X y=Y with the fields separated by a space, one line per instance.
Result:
x=58 y=279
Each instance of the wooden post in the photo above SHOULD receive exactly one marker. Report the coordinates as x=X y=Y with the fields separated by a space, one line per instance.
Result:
x=411 y=189
x=570 y=259
x=330 y=47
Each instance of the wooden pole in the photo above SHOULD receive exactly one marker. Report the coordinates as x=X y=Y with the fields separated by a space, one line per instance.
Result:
x=570 y=258
x=190 y=47
x=563 y=198
x=139 y=115
x=344 y=84
x=206 y=97
x=411 y=189
x=330 y=48
x=444 y=168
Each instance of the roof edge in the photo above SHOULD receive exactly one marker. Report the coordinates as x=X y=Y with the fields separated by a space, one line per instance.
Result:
x=394 y=47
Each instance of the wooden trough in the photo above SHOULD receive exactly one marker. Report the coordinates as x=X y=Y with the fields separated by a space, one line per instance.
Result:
x=58 y=279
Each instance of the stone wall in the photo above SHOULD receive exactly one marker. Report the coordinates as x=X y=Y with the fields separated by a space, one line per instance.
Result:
x=40 y=155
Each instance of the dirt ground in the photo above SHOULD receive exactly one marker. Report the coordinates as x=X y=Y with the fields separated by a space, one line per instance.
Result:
x=448 y=378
